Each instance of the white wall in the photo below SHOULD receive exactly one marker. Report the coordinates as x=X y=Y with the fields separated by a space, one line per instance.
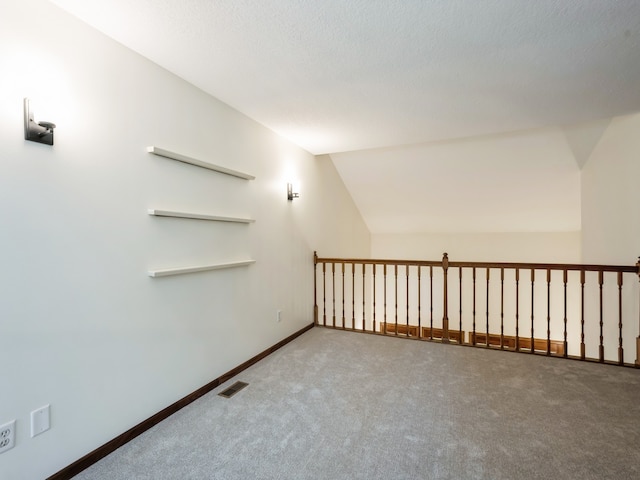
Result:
x=611 y=195
x=560 y=247
x=83 y=327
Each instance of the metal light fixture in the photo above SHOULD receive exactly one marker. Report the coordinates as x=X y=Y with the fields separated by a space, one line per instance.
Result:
x=290 y=193
x=40 y=132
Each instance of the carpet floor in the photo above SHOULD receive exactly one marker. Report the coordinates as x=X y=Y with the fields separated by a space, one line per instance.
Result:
x=343 y=405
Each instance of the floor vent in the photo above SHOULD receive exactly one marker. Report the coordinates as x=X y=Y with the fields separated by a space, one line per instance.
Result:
x=233 y=389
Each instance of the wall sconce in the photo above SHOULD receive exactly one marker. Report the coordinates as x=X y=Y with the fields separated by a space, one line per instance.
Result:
x=40 y=132
x=290 y=193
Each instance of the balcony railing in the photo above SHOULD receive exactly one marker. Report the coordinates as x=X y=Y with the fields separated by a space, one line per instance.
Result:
x=585 y=312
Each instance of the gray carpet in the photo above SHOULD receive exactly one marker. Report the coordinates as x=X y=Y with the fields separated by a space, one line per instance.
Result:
x=342 y=405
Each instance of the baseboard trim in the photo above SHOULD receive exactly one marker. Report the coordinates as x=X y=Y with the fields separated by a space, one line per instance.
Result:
x=111 y=446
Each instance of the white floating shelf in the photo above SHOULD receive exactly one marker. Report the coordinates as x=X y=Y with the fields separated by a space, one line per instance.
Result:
x=202 y=268
x=198 y=216
x=199 y=163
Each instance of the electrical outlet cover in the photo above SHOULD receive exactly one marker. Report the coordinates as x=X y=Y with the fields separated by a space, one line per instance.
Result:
x=40 y=420
x=7 y=436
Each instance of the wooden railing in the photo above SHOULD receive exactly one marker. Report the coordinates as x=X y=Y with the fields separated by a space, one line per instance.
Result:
x=586 y=312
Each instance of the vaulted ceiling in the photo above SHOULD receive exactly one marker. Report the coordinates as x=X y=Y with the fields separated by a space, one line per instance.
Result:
x=416 y=101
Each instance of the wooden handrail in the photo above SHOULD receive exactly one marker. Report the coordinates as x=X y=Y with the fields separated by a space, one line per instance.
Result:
x=368 y=261
x=526 y=266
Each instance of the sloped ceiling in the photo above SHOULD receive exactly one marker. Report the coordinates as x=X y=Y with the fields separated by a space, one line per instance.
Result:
x=522 y=182
x=383 y=84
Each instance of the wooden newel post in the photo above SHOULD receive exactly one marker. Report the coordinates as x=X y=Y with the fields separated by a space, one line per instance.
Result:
x=315 y=289
x=638 y=339
x=445 y=316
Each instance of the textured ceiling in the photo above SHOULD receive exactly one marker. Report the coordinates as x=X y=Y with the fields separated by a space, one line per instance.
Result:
x=336 y=75
x=339 y=76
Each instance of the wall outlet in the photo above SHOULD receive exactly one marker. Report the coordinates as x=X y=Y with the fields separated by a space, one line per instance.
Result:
x=7 y=436
x=279 y=316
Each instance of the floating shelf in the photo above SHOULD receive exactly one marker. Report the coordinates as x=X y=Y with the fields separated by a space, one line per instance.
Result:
x=202 y=268
x=199 y=163
x=198 y=216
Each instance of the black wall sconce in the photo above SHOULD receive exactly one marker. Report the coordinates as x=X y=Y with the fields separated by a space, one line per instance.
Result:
x=290 y=193
x=40 y=132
